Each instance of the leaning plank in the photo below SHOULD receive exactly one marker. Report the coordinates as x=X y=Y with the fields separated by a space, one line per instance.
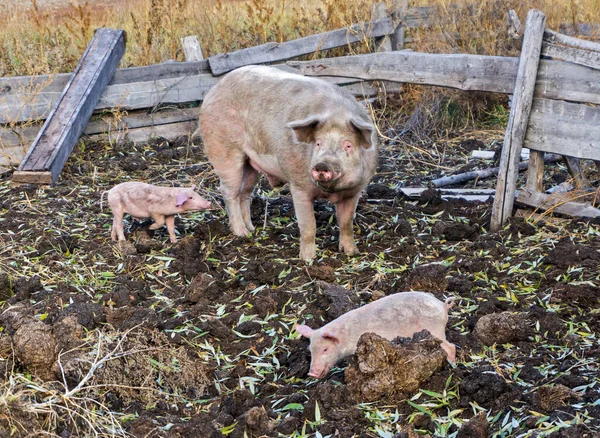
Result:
x=588 y=58
x=561 y=203
x=273 y=52
x=567 y=128
x=67 y=120
x=518 y=119
x=555 y=37
x=555 y=80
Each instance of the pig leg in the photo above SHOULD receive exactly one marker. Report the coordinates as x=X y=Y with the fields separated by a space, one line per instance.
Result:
x=345 y=216
x=303 y=205
x=159 y=221
x=117 y=228
x=450 y=350
x=170 y=220
x=249 y=179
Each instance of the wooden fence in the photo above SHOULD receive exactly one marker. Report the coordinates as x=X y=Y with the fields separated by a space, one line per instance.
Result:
x=134 y=106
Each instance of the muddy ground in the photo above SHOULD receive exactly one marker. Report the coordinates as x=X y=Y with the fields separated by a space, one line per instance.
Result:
x=196 y=339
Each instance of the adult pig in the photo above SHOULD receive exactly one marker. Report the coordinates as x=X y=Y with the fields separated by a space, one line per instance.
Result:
x=294 y=129
x=142 y=200
x=401 y=314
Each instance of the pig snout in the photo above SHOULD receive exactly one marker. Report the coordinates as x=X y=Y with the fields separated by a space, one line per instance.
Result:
x=325 y=173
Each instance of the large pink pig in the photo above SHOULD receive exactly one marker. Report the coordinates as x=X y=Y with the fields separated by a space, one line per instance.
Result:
x=401 y=314
x=295 y=129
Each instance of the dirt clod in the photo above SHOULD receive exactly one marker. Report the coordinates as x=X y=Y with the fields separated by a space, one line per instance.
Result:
x=381 y=369
x=500 y=328
x=476 y=427
x=549 y=398
x=35 y=347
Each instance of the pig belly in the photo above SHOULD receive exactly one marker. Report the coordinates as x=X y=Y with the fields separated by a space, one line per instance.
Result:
x=269 y=167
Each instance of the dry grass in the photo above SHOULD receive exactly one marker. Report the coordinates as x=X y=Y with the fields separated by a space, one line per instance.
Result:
x=38 y=39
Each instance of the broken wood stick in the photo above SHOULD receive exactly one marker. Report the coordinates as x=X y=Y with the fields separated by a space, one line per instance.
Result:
x=485 y=173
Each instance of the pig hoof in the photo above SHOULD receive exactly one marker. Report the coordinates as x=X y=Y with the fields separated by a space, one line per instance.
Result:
x=240 y=231
x=307 y=254
x=349 y=249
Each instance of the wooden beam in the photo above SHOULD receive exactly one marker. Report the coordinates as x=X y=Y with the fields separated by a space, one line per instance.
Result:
x=273 y=52
x=192 y=48
x=566 y=128
x=66 y=122
x=561 y=203
x=496 y=74
x=398 y=38
x=518 y=119
x=578 y=56
x=379 y=12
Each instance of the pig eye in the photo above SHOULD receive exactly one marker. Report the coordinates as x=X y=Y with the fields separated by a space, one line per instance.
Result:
x=319 y=144
x=347 y=146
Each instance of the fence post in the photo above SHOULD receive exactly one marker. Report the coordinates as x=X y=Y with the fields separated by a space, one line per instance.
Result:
x=398 y=14
x=519 y=118
x=192 y=48
x=379 y=12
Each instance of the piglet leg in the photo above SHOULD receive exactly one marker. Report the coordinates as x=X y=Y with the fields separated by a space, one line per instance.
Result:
x=117 y=228
x=170 y=221
x=249 y=179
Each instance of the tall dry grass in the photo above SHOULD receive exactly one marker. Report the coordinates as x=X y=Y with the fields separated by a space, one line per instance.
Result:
x=36 y=39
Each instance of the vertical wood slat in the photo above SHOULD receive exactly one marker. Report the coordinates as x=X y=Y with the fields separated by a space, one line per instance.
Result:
x=68 y=118
x=519 y=118
x=192 y=48
x=398 y=14
x=379 y=12
x=535 y=171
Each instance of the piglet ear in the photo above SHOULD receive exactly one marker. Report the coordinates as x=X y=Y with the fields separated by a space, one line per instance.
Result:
x=331 y=337
x=304 y=330
x=180 y=199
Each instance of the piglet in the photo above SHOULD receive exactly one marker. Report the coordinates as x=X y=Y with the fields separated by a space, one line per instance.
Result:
x=142 y=200
x=401 y=314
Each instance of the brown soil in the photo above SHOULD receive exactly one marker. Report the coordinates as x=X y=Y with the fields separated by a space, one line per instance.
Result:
x=199 y=335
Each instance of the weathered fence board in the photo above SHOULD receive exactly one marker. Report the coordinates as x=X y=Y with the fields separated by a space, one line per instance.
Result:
x=578 y=56
x=564 y=128
x=561 y=203
x=555 y=80
x=192 y=48
x=518 y=119
x=66 y=122
x=274 y=52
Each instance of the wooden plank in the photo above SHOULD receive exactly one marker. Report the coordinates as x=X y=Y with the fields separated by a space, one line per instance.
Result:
x=555 y=80
x=379 y=12
x=29 y=177
x=192 y=48
x=566 y=128
x=551 y=36
x=535 y=171
x=273 y=52
x=67 y=120
x=561 y=203
x=578 y=56
x=518 y=119
x=398 y=37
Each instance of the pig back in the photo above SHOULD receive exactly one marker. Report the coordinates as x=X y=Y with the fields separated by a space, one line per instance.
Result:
x=262 y=100
x=400 y=314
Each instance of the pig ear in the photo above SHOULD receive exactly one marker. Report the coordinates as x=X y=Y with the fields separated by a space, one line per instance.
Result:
x=331 y=337
x=366 y=132
x=304 y=130
x=304 y=330
x=180 y=199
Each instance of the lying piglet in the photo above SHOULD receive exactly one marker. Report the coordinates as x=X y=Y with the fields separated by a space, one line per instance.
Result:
x=401 y=314
x=142 y=200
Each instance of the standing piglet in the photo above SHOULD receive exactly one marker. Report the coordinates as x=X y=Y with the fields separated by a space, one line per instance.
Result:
x=401 y=314
x=294 y=129
x=142 y=200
